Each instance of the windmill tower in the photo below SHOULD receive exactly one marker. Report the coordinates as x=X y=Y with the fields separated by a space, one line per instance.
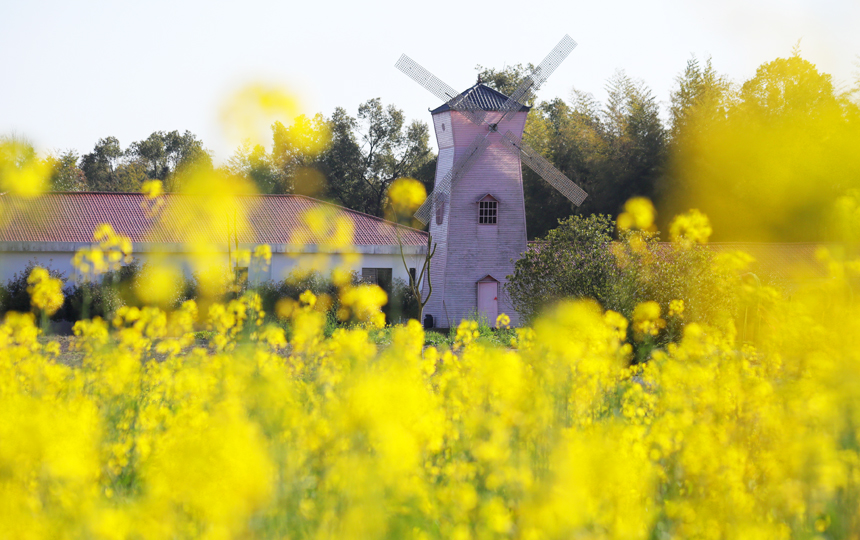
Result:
x=477 y=211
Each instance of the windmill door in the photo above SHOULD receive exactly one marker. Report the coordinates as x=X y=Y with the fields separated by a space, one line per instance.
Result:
x=488 y=299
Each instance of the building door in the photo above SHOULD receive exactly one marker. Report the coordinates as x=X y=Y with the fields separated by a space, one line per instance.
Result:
x=488 y=299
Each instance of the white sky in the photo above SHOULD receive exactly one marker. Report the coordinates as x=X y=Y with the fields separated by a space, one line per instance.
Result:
x=72 y=72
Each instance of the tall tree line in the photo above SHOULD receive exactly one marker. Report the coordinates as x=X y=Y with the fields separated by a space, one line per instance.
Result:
x=767 y=160
x=350 y=160
x=108 y=167
x=704 y=152
x=772 y=159
x=613 y=151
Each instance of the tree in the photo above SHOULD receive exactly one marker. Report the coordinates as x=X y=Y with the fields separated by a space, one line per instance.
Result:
x=613 y=152
x=164 y=156
x=100 y=165
x=786 y=88
x=506 y=80
x=416 y=282
x=351 y=160
x=574 y=261
x=65 y=173
x=150 y=153
x=573 y=139
x=161 y=156
x=637 y=139
x=768 y=163
x=255 y=165
x=389 y=149
x=296 y=154
x=702 y=96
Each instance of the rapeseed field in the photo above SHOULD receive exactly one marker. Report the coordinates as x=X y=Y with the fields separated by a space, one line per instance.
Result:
x=555 y=436
x=262 y=432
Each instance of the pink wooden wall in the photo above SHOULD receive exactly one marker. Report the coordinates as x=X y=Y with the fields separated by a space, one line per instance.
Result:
x=467 y=251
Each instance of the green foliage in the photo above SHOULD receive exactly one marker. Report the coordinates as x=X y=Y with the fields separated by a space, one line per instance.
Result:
x=14 y=295
x=579 y=259
x=65 y=173
x=272 y=291
x=100 y=167
x=402 y=304
x=254 y=163
x=613 y=151
x=765 y=160
x=506 y=80
x=88 y=300
x=573 y=261
x=363 y=155
x=700 y=93
x=161 y=156
x=164 y=155
x=369 y=152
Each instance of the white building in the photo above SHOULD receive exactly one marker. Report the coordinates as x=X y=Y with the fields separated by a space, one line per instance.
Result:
x=52 y=227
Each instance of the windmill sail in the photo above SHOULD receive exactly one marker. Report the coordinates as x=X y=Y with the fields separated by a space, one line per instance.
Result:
x=538 y=76
x=426 y=79
x=471 y=109
x=461 y=167
x=544 y=168
x=438 y=88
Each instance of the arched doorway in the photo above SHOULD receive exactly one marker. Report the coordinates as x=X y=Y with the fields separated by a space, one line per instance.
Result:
x=488 y=299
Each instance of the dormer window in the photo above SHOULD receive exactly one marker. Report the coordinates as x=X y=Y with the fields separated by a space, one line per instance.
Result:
x=488 y=210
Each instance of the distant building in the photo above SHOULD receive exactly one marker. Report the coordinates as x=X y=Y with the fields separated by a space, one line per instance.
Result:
x=52 y=227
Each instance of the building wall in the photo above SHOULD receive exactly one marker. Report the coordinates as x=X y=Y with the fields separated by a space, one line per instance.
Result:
x=439 y=235
x=468 y=251
x=12 y=262
x=283 y=262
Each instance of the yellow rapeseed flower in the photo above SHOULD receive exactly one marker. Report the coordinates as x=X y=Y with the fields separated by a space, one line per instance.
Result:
x=690 y=228
x=646 y=319
x=405 y=196
x=638 y=213
x=46 y=292
x=21 y=170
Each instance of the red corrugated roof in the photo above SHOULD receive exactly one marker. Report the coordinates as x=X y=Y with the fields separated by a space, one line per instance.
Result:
x=272 y=219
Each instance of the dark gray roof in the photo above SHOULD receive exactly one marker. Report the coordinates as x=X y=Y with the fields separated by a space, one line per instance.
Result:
x=485 y=97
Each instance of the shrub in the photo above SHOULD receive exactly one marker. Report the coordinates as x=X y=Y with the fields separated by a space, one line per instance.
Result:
x=87 y=300
x=579 y=259
x=293 y=286
x=14 y=295
x=573 y=261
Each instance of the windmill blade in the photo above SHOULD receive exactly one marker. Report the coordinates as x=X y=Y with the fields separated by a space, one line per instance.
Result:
x=537 y=77
x=544 y=168
x=426 y=79
x=438 y=88
x=461 y=167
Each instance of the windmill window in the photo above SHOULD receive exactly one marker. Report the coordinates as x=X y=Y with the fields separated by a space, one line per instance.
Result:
x=488 y=210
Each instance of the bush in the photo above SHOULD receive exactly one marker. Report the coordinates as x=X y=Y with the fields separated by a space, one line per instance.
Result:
x=87 y=300
x=573 y=261
x=579 y=259
x=14 y=295
x=294 y=285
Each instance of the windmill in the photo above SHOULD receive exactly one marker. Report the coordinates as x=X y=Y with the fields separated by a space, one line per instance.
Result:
x=478 y=201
